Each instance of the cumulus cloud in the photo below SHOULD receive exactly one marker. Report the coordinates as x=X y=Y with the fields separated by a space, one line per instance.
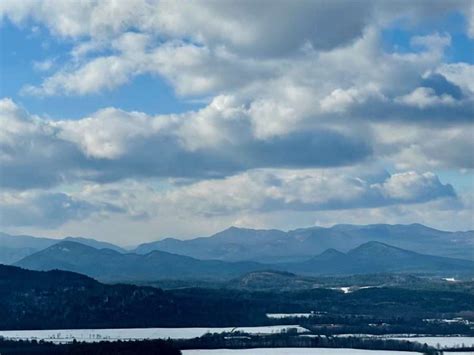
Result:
x=208 y=47
x=249 y=28
x=410 y=146
x=31 y=155
x=461 y=74
x=293 y=88
x=43 y=209
x=219 y=140
x=262 y=198
x=264 y=191
x=114 y=144
x=245 y=26
x=424 y=97
x=147 y=217
x=79 y=18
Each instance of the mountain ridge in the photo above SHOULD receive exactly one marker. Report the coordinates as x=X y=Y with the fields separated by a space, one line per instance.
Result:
x=112 y=266
x=108 y=265
x=13 y=248
x=272 y=245
x=236 y=244
x=379 y=257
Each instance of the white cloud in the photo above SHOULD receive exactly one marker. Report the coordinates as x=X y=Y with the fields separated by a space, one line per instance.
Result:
x=112 y=144
x=207 y=48
x=46 y=209
x=265 y=198
x=435 y=42
x=424 y=97
x=224 y=138
x=44 y=65
x=470 y=15
x=291 y=88
x=264 y=190
x=411 y=186
x=80 y=18
x=408 y=146
x=109 y=132
x=461 y=74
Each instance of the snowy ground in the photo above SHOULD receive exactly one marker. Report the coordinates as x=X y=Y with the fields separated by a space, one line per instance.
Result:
x=94 y=335
x=292 y=351
x=442 y=341
x=289 y=315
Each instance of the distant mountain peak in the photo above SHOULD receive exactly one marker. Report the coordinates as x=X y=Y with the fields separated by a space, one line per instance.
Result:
x=68 y=245
x=374 y=244
x=234 y=229
x=98 y=244
x=377 y=249
x=330 y=253
x=164 y=239
x=72 y=247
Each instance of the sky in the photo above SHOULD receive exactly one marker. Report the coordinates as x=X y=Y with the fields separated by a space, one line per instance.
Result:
x=134 y=120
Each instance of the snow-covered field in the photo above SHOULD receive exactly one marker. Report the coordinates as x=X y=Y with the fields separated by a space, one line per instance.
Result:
x=292 y=351
x=442 y=341
x=289 y=315
x=94 y=335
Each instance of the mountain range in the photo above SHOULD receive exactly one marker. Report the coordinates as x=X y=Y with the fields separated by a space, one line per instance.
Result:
x=237 y=244
x=272 y=246
x=339 y=250
x=377 y=257
x=111 y=266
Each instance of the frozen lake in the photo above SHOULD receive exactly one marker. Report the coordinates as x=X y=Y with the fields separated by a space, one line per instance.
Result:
x=292 y=351
x=94 y=335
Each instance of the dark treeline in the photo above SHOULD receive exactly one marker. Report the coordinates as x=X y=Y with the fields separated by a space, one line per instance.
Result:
x=149 y=347
x=291 y=340
x=328 y=324
x=213 y=341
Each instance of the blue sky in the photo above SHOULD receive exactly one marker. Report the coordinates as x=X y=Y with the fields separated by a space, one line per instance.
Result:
x=397 y=38
x=22 y=48
x=184 y=118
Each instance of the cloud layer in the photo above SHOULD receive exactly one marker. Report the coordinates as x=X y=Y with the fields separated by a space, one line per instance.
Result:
x=310 y=114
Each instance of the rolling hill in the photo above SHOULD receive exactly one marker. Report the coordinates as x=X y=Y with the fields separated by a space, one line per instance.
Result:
x=111 y=266
x=66 y=300
x=376 y=257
